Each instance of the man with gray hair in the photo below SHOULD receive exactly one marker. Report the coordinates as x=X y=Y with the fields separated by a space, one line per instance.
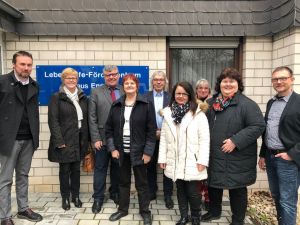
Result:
x=100 y=102
x=160 y=99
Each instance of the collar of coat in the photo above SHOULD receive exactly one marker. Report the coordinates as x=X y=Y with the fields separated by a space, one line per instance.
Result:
x=139 y=98
x=15 y=81
x=234 y=100
x=62 y=94
x=186 y=120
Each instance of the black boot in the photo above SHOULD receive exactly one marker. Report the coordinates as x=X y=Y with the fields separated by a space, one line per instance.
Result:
x=195 y=220
x=66 y=203
x=183 y=220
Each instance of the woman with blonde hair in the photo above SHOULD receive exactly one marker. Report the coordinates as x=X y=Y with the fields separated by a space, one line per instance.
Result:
x=67 y=119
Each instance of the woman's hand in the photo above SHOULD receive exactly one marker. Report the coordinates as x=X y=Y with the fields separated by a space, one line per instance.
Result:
x=146 y=158
x=98 y=145
x=262 y=163
x=228 y=146
x=163 y=166
x=200 y=167
x=115 y=154
x=62 y=146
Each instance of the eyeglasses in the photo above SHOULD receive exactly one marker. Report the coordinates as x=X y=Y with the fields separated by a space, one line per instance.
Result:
x=181 y=94
x=111 y=75
x=71 y=78
x=157 y=80
x=281 y=79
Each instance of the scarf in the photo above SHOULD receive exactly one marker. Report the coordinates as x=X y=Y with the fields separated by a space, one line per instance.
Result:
x=178 y=111
x=221 y=103
x=74 y=98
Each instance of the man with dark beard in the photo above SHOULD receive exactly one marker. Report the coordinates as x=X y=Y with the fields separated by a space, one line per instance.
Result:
x=19 y=135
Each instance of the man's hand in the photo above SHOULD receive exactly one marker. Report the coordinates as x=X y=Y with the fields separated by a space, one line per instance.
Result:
x=115 y=154
x=284 y=156
x=228 y=146
x=157 y=134
x=62 y=146
x=98 y=145
x=146 y=158
x=262 y=163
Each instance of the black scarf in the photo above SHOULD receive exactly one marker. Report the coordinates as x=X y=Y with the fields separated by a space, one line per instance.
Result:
x=178 y=111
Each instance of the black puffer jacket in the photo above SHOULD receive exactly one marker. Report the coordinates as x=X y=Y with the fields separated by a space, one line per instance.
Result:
x=63 y=124
x=142 y=129
x=242 y=121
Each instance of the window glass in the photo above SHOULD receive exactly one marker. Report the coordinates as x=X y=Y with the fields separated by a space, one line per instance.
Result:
x=193 y=64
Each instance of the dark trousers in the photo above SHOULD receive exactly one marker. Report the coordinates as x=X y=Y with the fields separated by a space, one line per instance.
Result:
x=140 y=173
x=152 y=176
x=102 y=158
x=69 y=178
x=188 y=196
x=238 y=203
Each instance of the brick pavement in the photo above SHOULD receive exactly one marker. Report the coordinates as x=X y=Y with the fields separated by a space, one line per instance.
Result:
x=49 y=205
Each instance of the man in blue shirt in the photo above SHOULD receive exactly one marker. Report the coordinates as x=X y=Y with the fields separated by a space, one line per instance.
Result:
x=280 y=151
x=160 y=99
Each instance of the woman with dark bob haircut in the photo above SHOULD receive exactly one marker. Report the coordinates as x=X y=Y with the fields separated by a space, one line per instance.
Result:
x=236 y=123
x=184 y=148
x=130 y=137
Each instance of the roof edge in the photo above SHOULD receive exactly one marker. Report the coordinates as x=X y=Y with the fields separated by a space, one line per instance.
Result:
x=10 y=10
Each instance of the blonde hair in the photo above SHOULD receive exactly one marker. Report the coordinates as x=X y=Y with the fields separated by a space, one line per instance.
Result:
x=68 y=71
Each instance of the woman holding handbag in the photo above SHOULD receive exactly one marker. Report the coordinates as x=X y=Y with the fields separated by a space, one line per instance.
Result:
x=67 y=119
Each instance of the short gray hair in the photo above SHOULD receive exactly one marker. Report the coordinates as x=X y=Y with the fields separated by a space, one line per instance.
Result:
x=108 y=68
x=161 y=73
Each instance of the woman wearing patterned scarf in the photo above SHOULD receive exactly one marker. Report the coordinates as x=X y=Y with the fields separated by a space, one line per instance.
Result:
x=236 y=123
x=184 y=148
x=67 y=119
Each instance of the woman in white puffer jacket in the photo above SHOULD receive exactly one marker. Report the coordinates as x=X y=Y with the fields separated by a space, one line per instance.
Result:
x=184 y=148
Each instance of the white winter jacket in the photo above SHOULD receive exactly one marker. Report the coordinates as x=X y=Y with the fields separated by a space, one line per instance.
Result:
x=182 y=152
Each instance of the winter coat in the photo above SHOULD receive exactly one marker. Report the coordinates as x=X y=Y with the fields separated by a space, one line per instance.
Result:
x=142 y=129
x=11 y=111
x=184 y=150
x=63 y=124
x=242 y=121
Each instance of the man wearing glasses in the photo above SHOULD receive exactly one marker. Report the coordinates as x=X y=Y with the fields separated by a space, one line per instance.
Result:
x=280 y=151
x=160 y=99
x=100 y=102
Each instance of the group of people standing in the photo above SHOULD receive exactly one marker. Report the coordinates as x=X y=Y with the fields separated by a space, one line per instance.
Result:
x=198 y=139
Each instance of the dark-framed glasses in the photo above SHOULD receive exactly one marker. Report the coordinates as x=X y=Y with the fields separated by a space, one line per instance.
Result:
x=181 y=94
x=281 y=79
x=111 y=75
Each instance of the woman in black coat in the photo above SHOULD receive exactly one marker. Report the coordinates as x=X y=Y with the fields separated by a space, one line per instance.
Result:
x=67 y=119
x=130 y=137
x=236 y=122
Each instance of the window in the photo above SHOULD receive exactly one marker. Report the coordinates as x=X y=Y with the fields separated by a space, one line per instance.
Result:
x=193 y=59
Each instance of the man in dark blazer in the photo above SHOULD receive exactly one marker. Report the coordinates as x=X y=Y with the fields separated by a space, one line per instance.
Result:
x=100 y=102
x=280 y=151
x=160 y=99
x=19 y=135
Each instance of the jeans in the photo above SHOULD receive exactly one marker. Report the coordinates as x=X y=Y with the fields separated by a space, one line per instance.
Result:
x=19 y=161
x=238 y=203
x=102 y=158
x=69 y=178
x=152 y=176
x=284 y=179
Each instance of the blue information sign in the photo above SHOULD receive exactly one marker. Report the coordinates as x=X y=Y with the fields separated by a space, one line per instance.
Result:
x=89 y=77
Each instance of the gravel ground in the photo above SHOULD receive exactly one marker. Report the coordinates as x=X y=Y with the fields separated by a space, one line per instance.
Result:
x=261 y=209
